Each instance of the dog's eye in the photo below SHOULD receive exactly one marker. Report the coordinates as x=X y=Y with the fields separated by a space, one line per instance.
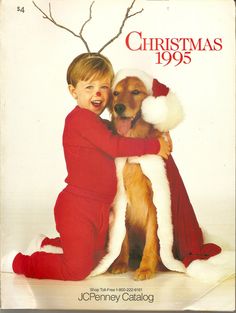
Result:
x=115 y=93
x=135 y=92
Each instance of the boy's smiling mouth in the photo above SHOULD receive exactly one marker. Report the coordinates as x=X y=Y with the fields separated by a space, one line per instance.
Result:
x=97 y=103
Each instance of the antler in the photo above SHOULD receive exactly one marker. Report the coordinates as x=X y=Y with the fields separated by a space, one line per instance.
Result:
x=122 y=25
x=51 y=19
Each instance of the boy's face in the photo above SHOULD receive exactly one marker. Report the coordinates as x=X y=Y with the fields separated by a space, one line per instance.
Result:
x=92 y=95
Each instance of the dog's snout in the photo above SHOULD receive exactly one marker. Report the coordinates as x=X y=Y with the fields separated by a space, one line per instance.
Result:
x=119 y=108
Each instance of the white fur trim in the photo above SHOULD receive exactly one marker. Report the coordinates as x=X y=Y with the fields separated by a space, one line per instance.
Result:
x=35 y=244
x=51 y=249
x=117 y=223
x=215 y=269
x=153 y=167
x=164 y=112
x=129 y=72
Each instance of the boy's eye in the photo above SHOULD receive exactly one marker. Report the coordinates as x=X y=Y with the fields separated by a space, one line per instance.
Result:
x=115 y=93
x=104 y=87
x=135 y=92
x=89 y=87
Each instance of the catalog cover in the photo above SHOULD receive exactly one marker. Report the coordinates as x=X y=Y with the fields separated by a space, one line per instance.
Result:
x=117 y=155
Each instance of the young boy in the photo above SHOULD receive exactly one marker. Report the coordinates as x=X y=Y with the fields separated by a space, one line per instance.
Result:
x=82 y=208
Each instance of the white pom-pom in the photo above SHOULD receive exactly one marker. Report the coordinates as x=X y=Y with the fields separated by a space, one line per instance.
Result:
x=154 y=110
x=164 y=112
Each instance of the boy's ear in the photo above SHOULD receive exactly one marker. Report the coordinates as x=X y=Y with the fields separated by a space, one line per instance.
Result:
x=72 y=91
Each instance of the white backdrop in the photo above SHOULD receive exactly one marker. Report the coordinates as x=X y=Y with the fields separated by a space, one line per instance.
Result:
x=35 y=102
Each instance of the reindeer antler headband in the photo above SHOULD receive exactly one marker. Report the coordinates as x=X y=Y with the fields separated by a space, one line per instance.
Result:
x=80 y=34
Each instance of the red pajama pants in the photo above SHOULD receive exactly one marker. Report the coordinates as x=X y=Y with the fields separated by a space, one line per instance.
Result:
x=82 y=223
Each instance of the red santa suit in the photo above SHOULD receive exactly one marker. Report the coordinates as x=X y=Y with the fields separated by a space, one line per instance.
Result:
x=182 y=246
x=82 y=208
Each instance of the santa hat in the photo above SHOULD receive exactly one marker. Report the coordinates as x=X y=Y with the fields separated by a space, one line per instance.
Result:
x=162 y=107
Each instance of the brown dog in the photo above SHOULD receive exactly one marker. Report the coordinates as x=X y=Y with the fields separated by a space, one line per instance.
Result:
x=141 y=217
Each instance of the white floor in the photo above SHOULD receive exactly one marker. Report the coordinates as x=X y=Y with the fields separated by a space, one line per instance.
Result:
x=168 y=291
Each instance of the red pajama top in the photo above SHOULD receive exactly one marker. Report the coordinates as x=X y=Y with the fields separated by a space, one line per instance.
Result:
x=90 y=149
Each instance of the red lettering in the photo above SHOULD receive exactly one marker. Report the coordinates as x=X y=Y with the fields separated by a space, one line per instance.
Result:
x=148 y=41
x=219 y=44
x=159 y=42
x=207 y=44
x=196 y=46
x=127 y=40
x=174 y=44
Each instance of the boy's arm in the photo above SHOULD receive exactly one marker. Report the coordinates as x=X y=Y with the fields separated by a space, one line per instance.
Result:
x=91 y=127
x=166 y=135
x=108 y=125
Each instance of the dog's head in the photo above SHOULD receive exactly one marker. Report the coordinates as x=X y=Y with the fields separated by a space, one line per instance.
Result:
x=128 y=96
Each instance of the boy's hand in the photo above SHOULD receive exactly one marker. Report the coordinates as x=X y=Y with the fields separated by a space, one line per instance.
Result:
x=165 y=148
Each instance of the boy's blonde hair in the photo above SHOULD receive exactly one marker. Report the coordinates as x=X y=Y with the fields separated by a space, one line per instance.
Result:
x=88 y=66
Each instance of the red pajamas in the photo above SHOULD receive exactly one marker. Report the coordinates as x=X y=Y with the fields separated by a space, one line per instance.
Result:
x=82 y=224
x=82 y=208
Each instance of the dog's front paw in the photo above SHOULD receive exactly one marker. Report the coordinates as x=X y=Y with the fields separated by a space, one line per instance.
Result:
x=119 y=268
x=143 y=274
